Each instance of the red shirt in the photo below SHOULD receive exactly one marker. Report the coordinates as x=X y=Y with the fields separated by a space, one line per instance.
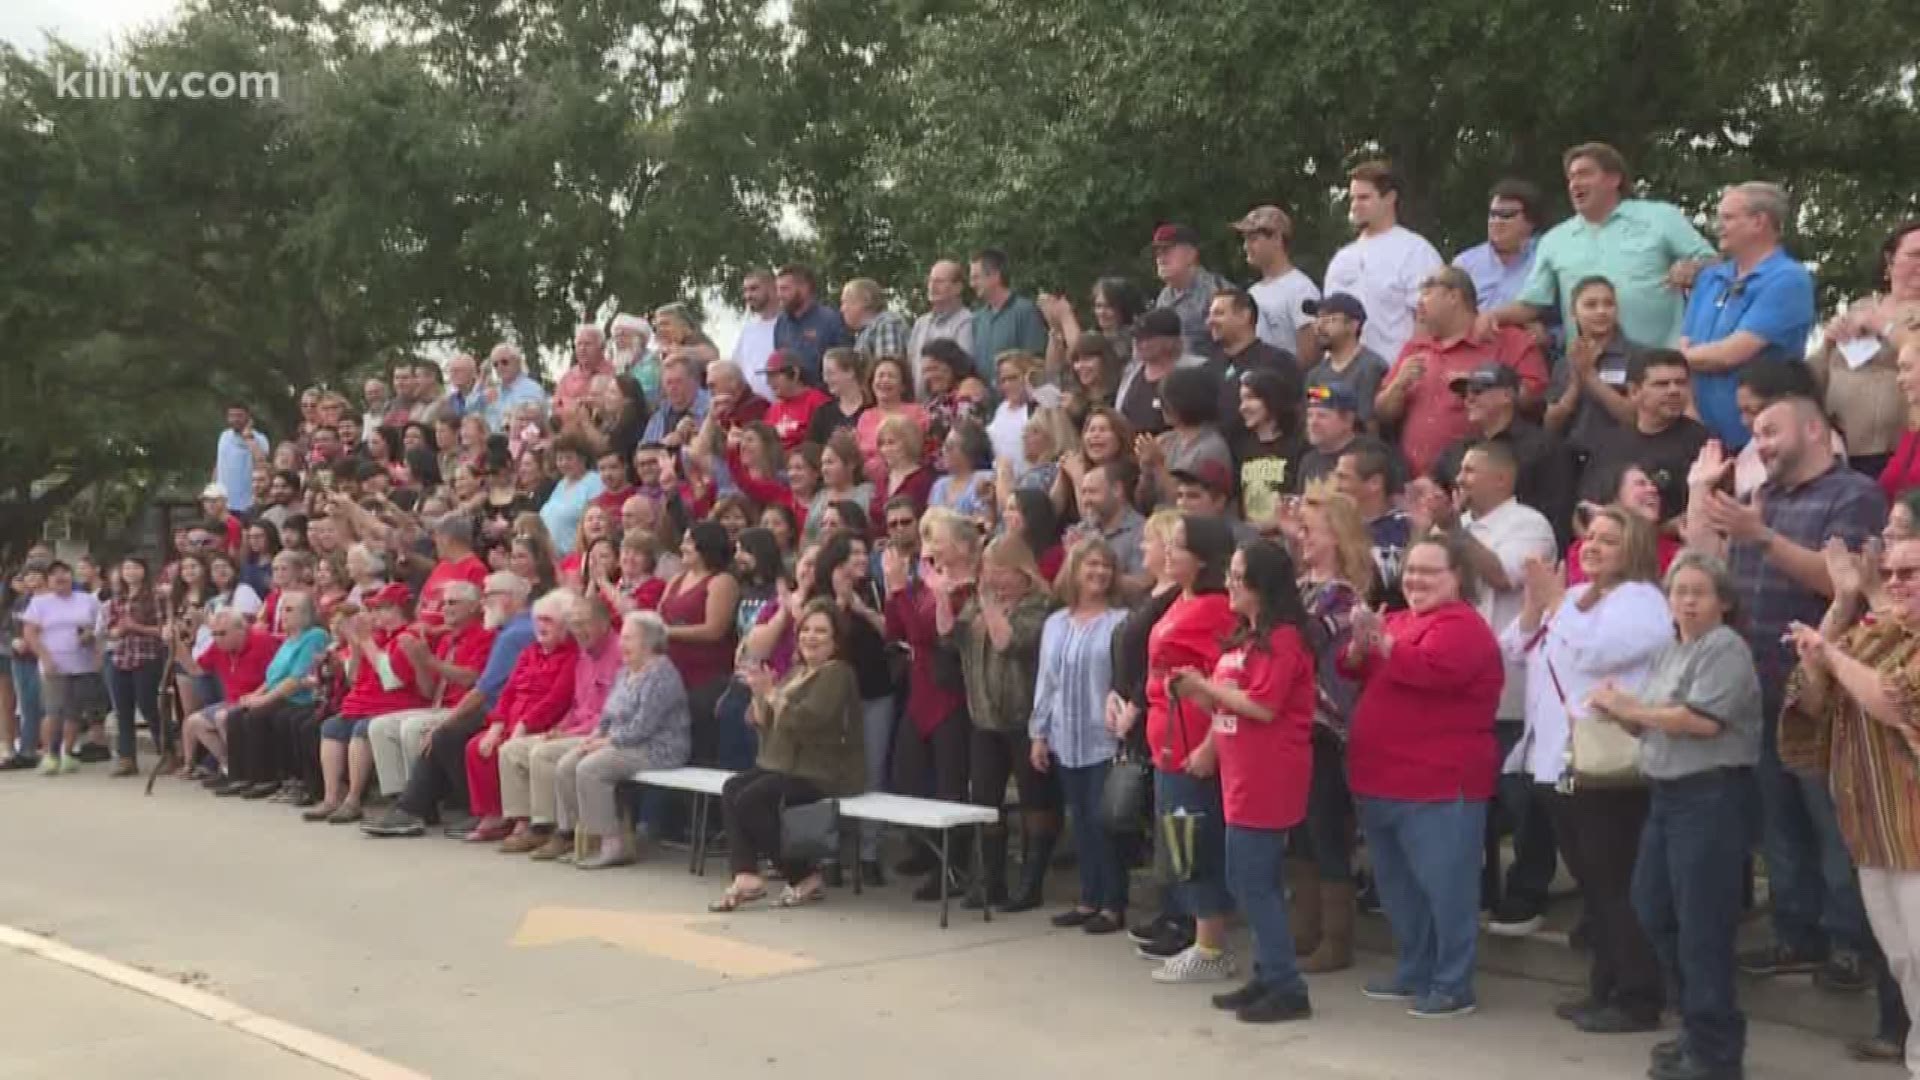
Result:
x=647 y=594
x=1051 y=560
x=917 y=486
x=910 y=618
x=270 y=611
x=763 y=492
x=236 y=534
x=612 y=501
x=468 y=569
x=367 y=697
x=1436 y=416
x=749 y=408
x=792 y=416
x=540 y=690
x=1903 y=469
x=240 y=672
x=467 y=649
x=1267 y=767
x=1423 y=727
x=1190 y=634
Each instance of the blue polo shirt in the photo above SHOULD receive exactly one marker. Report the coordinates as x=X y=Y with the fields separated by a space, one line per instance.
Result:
x=810 y=335
x=1774 y=301
x=508 y=644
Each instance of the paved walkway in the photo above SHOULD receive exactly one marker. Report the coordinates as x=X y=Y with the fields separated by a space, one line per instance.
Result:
x=462 y=963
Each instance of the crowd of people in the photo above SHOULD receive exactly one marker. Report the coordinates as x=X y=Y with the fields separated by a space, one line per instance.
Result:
x=1568 y=541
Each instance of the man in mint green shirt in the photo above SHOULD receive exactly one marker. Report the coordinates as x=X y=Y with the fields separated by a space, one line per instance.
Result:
x=1648 y=250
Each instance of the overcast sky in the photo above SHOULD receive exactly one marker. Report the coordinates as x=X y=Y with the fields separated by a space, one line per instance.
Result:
x=90 y=24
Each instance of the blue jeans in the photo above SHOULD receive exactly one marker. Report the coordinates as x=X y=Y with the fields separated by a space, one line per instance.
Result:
x=136 y=688
x=1687 y=890
x=1253 y=873
x=736 y=743
x=1204 y=895
x=26 y=687
x=876 y=722
x=1816 y=898
x=1103 y=884
x=1426 y=866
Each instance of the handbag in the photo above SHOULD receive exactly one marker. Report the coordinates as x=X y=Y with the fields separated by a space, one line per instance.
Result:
x=1125 y=795
x=1180 y=830
x=1600 y=753
x=810 y=832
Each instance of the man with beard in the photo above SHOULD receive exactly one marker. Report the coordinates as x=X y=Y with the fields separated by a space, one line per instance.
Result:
x=1663 y=438
x=1773 y=543
x=806 y=327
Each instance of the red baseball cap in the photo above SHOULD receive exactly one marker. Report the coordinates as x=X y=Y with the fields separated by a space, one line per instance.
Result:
x=395 y=594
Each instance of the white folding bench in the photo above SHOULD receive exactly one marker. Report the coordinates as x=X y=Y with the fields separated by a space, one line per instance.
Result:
x=941 y=817
x=704 y=785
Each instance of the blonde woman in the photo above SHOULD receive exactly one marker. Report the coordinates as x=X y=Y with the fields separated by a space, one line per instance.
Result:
x=903 y=472
x=996 y=636
x=1337 y=573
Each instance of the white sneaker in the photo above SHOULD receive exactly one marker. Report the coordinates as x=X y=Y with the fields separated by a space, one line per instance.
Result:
x=1192 y=966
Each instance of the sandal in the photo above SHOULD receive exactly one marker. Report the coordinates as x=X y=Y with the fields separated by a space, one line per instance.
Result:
x=735 y=899
x=791 y=897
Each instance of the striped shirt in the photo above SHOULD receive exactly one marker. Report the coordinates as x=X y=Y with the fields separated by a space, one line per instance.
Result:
x=1870 y=766
x=1069 y=701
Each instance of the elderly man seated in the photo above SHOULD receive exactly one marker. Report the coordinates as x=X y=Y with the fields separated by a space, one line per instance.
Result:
x=527 y=763
x=644 y=725
x=255 y=722
x=238 y=658
x=537 y=696
x=452 y=665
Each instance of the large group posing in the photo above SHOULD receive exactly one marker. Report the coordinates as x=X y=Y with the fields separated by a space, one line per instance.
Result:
x=1571 y=539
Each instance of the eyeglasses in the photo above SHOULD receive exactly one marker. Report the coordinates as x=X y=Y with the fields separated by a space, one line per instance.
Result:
x=1902 y=573
x=903 y=523
x=1499 y=214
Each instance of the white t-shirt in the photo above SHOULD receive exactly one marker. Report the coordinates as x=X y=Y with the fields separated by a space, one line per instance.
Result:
x=1005 y=430
x=1514 y=532
x=1384 y=273
x=751 y=349
x=1283 y=308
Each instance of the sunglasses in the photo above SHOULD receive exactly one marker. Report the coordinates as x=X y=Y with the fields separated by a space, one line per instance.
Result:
x=1902 y=573
x=1503 y=215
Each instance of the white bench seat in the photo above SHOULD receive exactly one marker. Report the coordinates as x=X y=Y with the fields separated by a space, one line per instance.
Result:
x=691 y=778
x=916 y=813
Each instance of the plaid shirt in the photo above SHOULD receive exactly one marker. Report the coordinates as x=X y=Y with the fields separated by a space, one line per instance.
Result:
x=1838 y=502
x=133 y=650
x=886 y=335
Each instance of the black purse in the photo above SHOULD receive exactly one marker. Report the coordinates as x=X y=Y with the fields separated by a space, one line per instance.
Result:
x=1125 y=796
x=810 y=832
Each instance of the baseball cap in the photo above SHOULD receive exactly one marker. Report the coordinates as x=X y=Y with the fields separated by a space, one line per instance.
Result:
x=1158 y=323
x=1265 y=219
x=1332 y=396
x=1486 y=377
x=394 y=594
x=1210 y=473
x=1337 y=304
x=214 y=491
x=782 y=360
x=1170 y=234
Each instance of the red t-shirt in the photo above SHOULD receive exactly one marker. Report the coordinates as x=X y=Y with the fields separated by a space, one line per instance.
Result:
x=1051 y=560
x=367 y=697
x=467 y=649
x=469 y=569
x=612 y=501
x=1266 y=768
x=647 y=594
x=792 y=416
x=240 y=672
x=1190 y=634
x=540 y=690
x=1423 y=728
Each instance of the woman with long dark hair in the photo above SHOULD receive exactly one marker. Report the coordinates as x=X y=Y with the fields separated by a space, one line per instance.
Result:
x=1262 y=696
x=136 y=627
x=1117 y=304
x=1029 y=514
x=698 y=608
x=1185 y=761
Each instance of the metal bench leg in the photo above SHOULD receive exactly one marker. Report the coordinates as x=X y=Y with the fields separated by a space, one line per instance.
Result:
x=945 y=863
x=980 y=859
x=697 y=861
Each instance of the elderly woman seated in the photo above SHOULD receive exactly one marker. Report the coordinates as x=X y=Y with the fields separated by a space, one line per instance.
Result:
x=644 y=725
x=812 y=747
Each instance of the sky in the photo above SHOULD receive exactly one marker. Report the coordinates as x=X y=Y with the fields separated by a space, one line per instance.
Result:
x=90 y=24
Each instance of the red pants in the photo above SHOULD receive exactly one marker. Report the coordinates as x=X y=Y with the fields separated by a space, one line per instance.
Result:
x=483 y=774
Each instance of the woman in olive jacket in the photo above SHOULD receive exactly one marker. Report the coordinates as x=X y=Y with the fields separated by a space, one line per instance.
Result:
x=812 y=747
x=996 y=638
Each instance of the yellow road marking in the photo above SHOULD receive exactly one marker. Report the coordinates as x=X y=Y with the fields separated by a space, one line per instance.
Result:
x=670 y=937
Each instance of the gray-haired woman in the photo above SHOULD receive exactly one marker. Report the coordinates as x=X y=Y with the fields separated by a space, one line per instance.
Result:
x=1699 y=720
x=645 y=725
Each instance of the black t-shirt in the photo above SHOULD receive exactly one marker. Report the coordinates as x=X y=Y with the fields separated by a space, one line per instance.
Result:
x=830 y=418
x=1669 y=454
x=1258 y=356
x=1141 y=406
x=1266 y=470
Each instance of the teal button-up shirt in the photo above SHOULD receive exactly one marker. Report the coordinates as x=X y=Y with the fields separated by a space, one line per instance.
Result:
x=1018 y=325
x=1634 y=248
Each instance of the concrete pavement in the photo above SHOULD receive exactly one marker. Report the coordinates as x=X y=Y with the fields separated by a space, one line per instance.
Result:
x=459 y=962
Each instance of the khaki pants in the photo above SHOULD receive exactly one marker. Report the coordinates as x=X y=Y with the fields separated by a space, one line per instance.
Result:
x=526 y=775
x=398 y=738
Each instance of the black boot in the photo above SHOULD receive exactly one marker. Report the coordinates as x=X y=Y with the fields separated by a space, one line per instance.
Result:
x=990 y=880
x=1033 y=874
